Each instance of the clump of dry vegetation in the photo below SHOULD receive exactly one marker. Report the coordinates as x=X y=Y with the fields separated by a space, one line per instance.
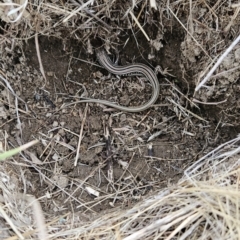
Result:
x=41 y=198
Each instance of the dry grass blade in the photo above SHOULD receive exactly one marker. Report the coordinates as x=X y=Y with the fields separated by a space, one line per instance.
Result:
x=164 y=223
x=39 y=218
x=92 y=15
x=78 y=10
x=195 y=40
x=16 y=100
x=140 y=13
x=211 y=157
x=227 y=28
x=216 y=65
x=13 y=11
x=209 y=103
x=185 y=111
x=8 y=220
x=39 y=58
x=139 y=25
x=80 y=135
x=17 y=150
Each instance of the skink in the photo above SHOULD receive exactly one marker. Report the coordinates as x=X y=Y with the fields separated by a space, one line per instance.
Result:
x=135 y=69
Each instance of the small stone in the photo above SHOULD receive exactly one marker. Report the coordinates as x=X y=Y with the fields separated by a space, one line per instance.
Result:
x=3 y=113
x=98 y=74
x=237 y=54
x=59 y=100
x=55 y=124
x=50 y=74
x=60 y=180
x=123 y=117
x=55 y=156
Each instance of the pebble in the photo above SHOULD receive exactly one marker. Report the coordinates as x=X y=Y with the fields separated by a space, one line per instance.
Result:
x=55 y=124
x=123 y=117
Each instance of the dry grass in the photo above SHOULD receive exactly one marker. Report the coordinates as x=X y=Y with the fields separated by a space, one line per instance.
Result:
x=204 y=204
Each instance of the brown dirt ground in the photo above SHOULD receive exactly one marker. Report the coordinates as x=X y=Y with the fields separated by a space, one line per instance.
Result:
x=179 y=138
